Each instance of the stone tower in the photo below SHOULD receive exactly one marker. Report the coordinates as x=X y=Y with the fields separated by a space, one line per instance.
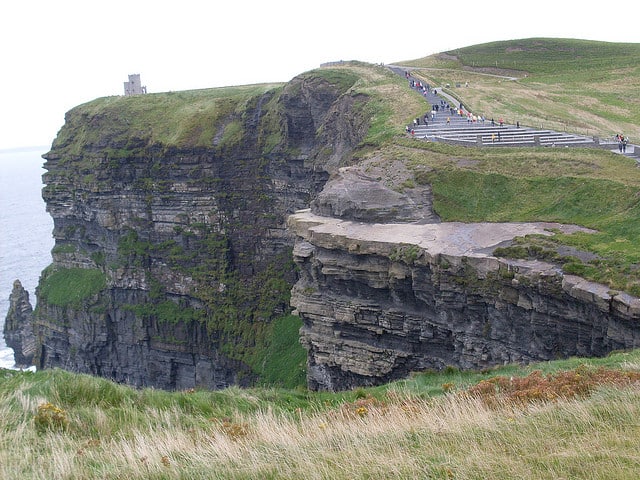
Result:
x=133 y=86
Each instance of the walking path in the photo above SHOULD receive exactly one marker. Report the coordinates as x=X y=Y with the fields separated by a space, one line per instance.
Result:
x=448 y=121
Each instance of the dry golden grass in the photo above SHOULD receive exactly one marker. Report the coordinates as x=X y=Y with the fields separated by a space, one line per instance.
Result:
x=591 y=430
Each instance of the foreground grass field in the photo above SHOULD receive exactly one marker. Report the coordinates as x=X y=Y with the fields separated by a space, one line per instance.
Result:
x=567 y=419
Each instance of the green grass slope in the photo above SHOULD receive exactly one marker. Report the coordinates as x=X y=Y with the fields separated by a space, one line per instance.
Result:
x=581 y=86
x=565 y=84
x=180 y=119
x=568 y=419
x=589 y=187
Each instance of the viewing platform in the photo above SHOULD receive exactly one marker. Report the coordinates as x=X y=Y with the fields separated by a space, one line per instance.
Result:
x=447 y=121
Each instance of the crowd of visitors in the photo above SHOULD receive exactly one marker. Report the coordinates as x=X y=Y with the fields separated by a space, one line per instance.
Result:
x=622 y=142
x=439 y=105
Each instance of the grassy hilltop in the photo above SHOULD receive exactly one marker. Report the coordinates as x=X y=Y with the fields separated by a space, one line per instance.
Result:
x=580 y=86
x=574 y=85
x=568 y=419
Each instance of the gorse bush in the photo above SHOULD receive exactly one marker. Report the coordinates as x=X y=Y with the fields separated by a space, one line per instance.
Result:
x=537 y=387
x=50 y=418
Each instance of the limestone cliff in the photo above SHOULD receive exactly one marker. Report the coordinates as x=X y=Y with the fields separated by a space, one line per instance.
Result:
x=172 y=254
x=176 y=237
x=380 y=300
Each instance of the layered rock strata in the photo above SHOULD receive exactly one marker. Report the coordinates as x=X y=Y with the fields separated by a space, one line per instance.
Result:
x=18 y=331
x=172 y=254
x=379 y=301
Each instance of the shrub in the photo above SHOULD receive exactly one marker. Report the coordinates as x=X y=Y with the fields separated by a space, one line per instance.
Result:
x=50 y=418
x=537 y=387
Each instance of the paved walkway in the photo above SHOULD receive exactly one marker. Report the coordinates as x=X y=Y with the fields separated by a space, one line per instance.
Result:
x=446 y=120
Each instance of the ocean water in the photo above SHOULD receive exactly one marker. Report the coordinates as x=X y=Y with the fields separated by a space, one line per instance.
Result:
x=25 y=229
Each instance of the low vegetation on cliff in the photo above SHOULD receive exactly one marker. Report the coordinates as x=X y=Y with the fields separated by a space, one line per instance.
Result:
x=567 y=419
x=579 y=86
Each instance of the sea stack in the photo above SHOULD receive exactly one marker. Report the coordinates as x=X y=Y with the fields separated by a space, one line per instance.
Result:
x=18 y=330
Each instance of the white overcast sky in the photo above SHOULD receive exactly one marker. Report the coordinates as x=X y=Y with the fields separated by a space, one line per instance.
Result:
x=57 y=54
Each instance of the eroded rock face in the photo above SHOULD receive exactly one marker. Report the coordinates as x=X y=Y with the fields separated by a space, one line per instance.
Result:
x=18 y=331
x=353 y=195
x=117 y=344
x=185 y=246
x=380 y=301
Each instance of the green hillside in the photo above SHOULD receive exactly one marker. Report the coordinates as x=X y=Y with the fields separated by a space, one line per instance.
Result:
x=550 y=56
x=580 y=86
x=590 y=187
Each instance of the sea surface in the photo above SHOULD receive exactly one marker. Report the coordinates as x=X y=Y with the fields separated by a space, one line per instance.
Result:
x=25 y=229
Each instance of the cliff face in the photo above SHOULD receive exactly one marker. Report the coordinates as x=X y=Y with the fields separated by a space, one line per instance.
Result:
x=379 y=301
x=172 y=254
x=176 y=239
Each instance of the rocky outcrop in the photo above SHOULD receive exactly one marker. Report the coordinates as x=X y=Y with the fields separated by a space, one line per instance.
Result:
x=172 y=252
x=18 y=331
x=353 y=195
x=379 y=301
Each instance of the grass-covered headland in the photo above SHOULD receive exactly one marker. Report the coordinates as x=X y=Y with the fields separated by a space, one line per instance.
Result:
x=575 y=418
x=581 y=86
x=586 y=87
x=567 y=419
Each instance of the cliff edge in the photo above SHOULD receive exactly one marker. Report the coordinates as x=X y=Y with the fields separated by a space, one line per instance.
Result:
x=386 y=288
x=172 y=257
x=379 y=301
x=187 y=225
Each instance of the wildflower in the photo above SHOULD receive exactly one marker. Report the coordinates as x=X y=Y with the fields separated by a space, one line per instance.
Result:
x=362 y=411
x=50 y=417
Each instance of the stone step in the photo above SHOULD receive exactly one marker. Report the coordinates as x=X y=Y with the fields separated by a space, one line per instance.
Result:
x=460 y=130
